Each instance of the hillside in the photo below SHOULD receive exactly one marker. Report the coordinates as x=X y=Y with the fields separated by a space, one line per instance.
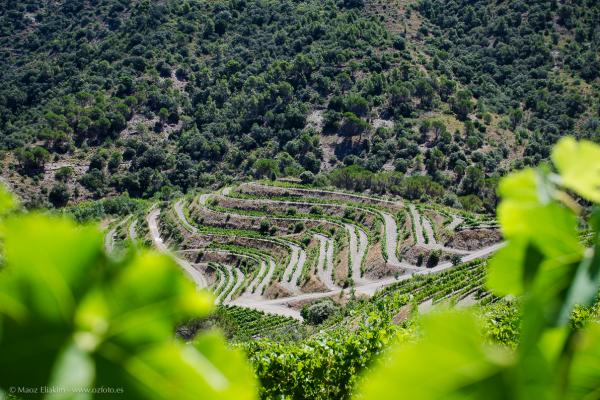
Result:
x=151 y=98
x=278 y=248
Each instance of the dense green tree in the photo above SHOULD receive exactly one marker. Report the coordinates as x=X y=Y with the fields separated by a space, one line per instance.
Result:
x=462 y=104
x=59 y=195
x=317 y=313
x=353 y=125
x=33 y=160
x=473 y=180
x=265 y=168
x=515 y=116
x=63 y=174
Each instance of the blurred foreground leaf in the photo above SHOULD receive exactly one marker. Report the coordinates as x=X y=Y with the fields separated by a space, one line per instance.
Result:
x=74 y=318
x=579 y=166
x=450 y=361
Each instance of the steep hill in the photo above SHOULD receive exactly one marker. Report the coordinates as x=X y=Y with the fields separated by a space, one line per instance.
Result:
x=426 y=99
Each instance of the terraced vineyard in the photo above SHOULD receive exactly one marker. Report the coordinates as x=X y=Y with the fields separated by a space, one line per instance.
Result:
x=276 y=246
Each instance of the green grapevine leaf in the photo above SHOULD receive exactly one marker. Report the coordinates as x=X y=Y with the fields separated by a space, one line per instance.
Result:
x=544 y=264
x=450 y=361
x=74 y=369
x=527 y=212
x=586 y=283
x=530 y=219
x=72 y=317
x=577 y=162
x=49 y=264
x=232 y=375
x=505 y=274
x=584 y=377
x=174 y=370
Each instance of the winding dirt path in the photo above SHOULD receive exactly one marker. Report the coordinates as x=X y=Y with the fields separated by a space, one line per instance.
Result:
x=152 y=220
x=391 y=244
x=359 y=247
x=267 y=279
x=428 y=231
x=259 y=218
x=288 y=275
x=277 y=308
x=109 y=240
x=294 y=268
x=372 y=287
x=456 y=221
x=423 y=223
x=182 y=217
x=299 y=267
x=358 y=250
x=239 y=279
x=219 y=284
x=272 y=265
x=331 y=192
x=391 y=239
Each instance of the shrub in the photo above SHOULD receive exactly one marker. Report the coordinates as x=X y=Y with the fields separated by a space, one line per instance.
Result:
x=315 y=314
x=455 y=259
x=400 y=43
x=265 y=226
x=59 y=195
x=316 y=210
x=63 y=174
x=298 y=227
x=307 y=177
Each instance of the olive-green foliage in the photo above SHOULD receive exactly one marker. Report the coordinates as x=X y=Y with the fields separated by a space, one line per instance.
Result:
x=522 y=74
x=59 y=195
x=119 y=206
x=241 y=77
x=317 y=313
x=187 y=94
x=503 y=322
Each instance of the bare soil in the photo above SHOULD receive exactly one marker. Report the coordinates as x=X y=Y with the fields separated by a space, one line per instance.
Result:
x=341 y=265
x=277 y=291
x=375 y=265
x=313 y=284
x=473 y=239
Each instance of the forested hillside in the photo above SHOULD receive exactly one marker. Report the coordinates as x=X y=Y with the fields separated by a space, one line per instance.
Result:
x=432 y=99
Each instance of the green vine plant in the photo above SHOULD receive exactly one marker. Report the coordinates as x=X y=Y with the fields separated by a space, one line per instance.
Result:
x=78 y=324
x=544 y=264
